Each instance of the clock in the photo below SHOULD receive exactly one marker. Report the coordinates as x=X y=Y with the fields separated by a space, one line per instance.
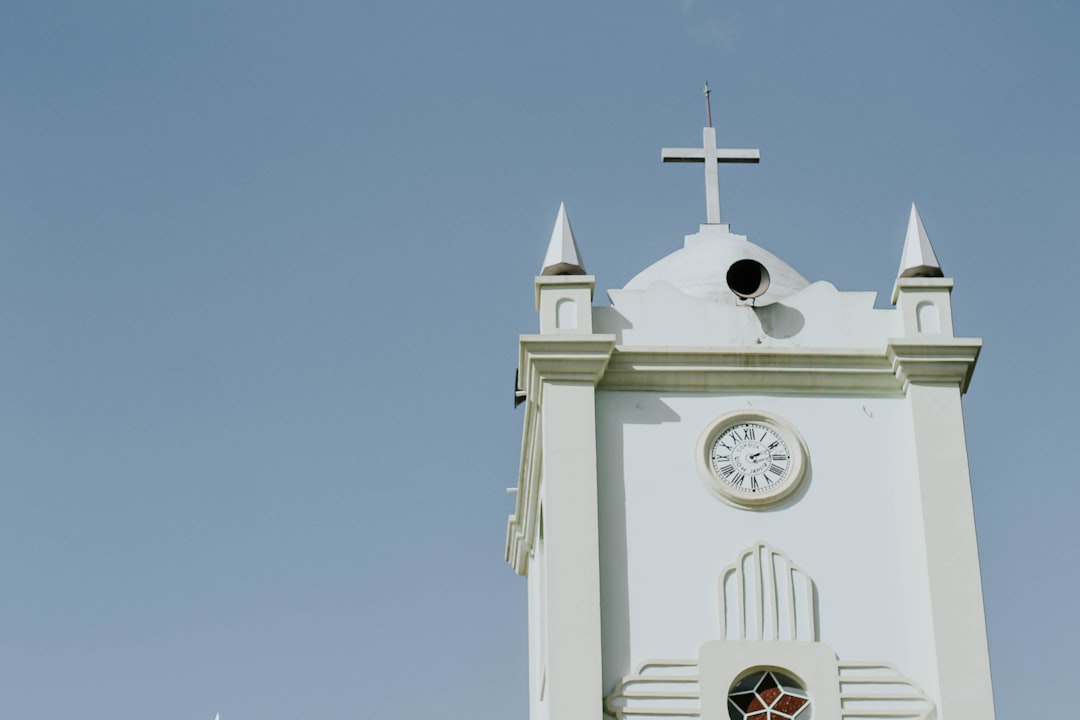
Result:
x=751 y=458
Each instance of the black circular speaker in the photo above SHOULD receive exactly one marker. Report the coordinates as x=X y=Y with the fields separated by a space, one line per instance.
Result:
x=748 y=278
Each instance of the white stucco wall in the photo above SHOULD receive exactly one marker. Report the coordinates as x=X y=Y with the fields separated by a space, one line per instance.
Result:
x=854 y=526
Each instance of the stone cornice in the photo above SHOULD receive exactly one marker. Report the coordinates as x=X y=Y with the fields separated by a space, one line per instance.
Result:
x=787 y=370
x=949 y=362
x=843 y=371
x=561 y=358
x=546 y=358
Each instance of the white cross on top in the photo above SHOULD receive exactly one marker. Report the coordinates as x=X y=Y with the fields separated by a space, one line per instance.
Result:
x=711 y=156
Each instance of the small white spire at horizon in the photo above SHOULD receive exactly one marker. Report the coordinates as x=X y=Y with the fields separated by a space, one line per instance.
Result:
x=918 y=258
x=563 y=256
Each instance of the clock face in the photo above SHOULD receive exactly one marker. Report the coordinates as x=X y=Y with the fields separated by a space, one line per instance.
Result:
x=750 y=458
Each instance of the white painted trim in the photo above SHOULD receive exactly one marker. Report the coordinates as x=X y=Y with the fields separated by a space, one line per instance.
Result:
x=904 y=699
x=866 y=690
x=657 y=688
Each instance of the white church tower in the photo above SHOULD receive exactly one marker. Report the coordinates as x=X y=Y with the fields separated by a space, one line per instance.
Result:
x=745 y=495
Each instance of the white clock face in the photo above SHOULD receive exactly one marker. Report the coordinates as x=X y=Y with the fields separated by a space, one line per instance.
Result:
x=751 y=458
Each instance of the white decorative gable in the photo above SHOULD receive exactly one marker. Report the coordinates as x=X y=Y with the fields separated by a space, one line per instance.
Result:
x=767 y=620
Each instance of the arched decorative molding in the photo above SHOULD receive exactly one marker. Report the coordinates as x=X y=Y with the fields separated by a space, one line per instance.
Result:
x=765 y=596
x=767 y=599
x=879 y=690
x=566 y=314
x=657 y=688
x=928 y=317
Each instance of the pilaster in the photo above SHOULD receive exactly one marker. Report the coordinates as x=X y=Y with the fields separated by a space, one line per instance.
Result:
x=952 y=557
x=571 y=542
x=557 y=480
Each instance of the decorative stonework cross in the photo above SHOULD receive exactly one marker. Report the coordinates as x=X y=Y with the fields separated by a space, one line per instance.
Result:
x=711 y=156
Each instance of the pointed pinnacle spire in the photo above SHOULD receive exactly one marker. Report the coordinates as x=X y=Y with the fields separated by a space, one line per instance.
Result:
x=563 y=256
x=918 y=258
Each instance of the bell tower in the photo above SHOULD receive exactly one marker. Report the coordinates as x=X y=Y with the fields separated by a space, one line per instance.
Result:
x=744 y=495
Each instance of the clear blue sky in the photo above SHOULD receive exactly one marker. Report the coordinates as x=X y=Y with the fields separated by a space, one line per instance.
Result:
x=263 y=266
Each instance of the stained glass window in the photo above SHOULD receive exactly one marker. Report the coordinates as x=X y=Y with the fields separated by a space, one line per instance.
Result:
x=768 y=695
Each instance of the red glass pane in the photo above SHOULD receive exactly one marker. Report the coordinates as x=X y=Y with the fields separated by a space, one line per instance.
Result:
x=770 y=695
x=789 y=704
